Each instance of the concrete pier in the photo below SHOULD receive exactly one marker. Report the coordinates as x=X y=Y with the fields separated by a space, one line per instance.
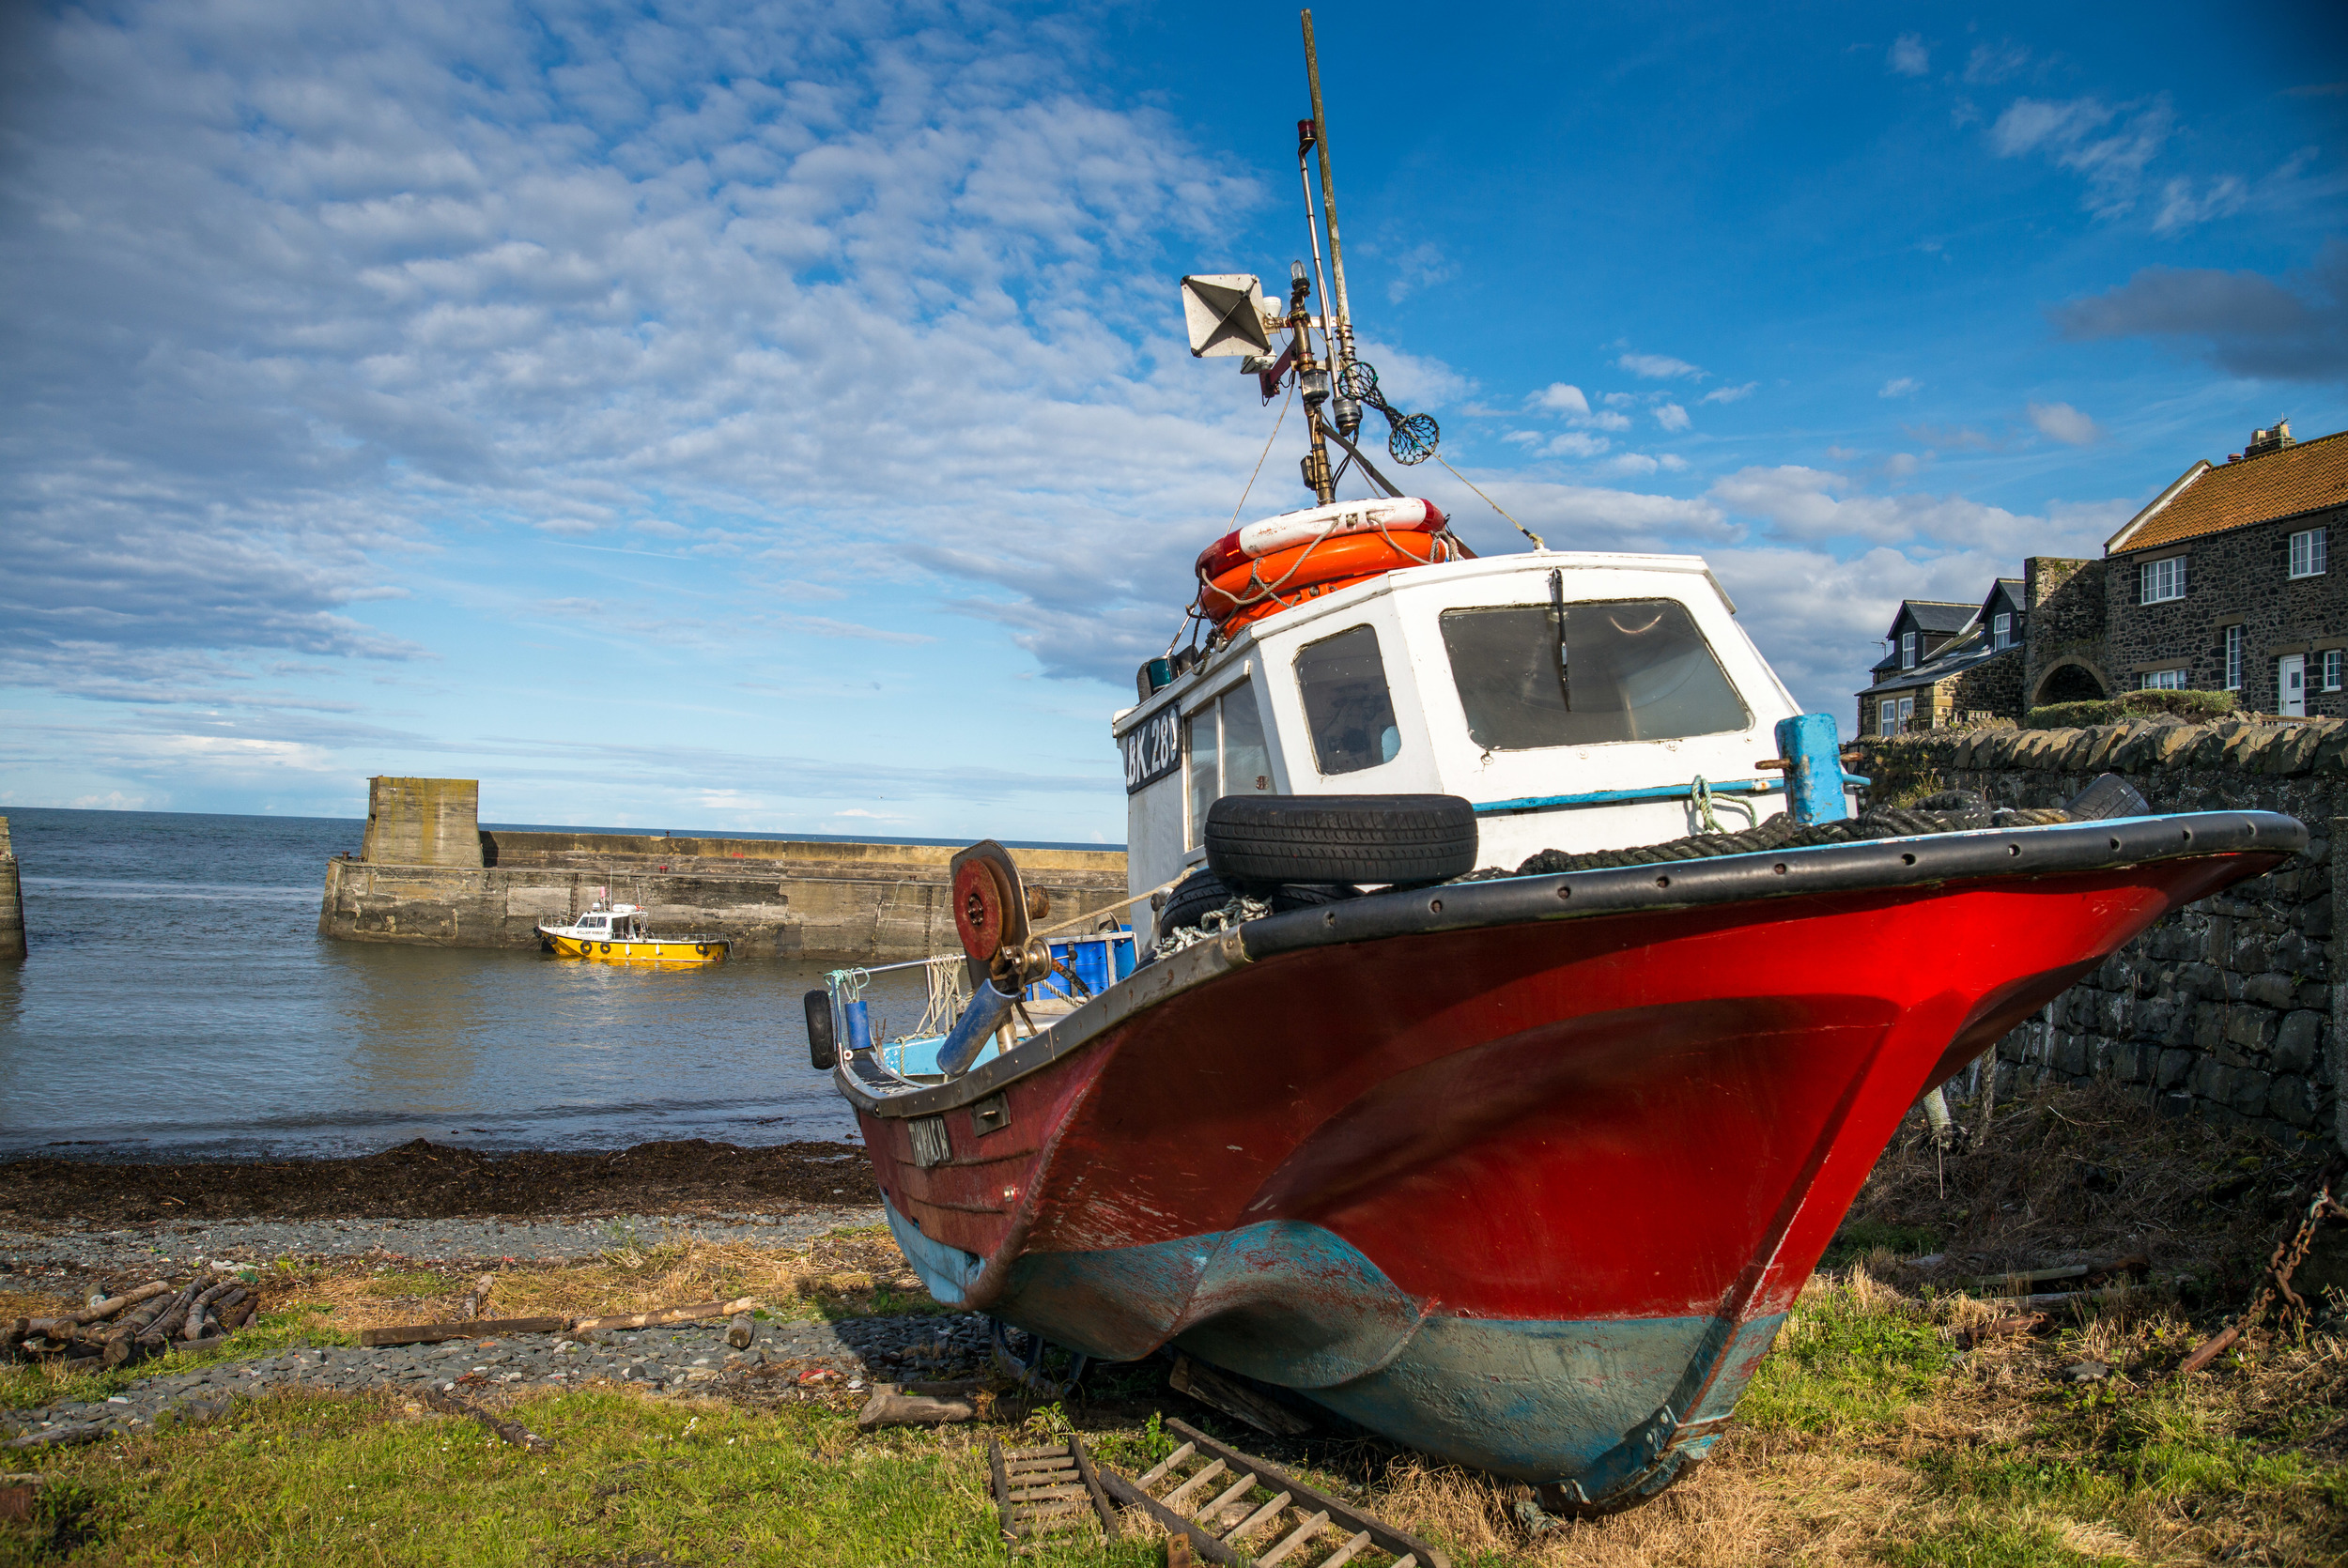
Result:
x=12 y=900
x=870 y=901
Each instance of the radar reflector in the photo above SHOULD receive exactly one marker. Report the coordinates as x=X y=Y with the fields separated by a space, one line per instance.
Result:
x=1224 y=313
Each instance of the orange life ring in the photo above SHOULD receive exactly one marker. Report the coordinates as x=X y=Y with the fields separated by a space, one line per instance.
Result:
x=1337 y=520
x=1254 y=588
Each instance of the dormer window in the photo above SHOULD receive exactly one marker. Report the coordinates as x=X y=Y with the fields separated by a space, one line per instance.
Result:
x=1908 y=650
x=2001 y=631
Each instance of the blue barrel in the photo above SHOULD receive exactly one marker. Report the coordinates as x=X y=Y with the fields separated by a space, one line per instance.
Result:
x=859 y=1024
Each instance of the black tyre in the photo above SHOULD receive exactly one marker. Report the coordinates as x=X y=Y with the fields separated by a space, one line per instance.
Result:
x=1255 y=840
x=822 y=1050
x=1202 y=891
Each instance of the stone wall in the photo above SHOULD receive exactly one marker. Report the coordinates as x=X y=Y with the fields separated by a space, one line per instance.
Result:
x=423 y=822
x=2225 y=1008
x=2238 y=577
x=874 y=902
x=12 y=900
x=2063 y=625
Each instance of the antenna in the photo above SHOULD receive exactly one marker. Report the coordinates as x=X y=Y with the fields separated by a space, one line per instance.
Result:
x=1342 y=348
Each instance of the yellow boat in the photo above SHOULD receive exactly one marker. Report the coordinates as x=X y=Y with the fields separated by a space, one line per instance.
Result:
x=615 y=935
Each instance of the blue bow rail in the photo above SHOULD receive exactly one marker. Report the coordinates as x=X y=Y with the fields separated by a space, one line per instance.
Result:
x=1609 y=797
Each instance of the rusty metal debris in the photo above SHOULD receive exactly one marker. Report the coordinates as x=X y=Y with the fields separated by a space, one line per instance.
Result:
x=2289 y=1252
x=1226 y=1501
x=1049 y=1491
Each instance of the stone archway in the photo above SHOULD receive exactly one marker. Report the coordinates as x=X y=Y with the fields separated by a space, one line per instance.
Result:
x=2070 y=682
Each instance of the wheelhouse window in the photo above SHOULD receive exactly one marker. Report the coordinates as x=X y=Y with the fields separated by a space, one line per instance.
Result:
x=2306 y=553
x=2159 y=581
x=1347 y=705
x=2164 y=679
x=1586 y=674
x=1225 y=745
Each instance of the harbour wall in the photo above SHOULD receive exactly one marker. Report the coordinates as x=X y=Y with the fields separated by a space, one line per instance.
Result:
x=12 y=900
x=872 y=902
x=2229 y=1009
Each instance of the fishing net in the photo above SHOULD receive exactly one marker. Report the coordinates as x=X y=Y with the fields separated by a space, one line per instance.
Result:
x=1410 y=437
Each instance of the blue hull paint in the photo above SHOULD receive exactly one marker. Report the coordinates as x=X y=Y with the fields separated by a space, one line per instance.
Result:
x=1295 y=1304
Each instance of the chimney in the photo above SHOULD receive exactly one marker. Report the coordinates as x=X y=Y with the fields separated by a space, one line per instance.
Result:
x=2263 y=441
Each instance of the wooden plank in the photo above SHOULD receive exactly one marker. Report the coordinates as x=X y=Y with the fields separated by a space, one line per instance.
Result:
x=1346 y=1553
x=1293 y=1539
x=487 y=1328
x=1092 y=1484
x=1046 y=1494
x=1259 y=1518
x=1221 y=1391
x=1206 y=1547
x=513 y=1432
x=1246 y=1483
x=1381 y=1534
x=666 y=1314
x=1002 y=1488
x=1181 y=1495
x=1035 y=1453
x=1151 y=1477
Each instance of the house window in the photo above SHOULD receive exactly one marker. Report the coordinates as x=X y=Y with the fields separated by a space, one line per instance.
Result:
x=2332 y=659
x=1228 y=755
x=1907 y=712
x=1908 y=650
x=2159 y=581
x=2164 y=679
x=2234 y=659
x=1886 y=718
x=2001 y=631
x=2306 y=553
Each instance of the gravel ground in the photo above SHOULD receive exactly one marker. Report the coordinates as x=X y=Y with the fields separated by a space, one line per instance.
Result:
x=786 y=1360
x=35 y=1260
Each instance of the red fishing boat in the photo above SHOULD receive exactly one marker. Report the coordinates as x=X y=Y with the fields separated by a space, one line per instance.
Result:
x=1522 y=1170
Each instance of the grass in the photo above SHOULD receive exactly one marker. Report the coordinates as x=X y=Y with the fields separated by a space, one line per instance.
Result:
x=1868 y=1437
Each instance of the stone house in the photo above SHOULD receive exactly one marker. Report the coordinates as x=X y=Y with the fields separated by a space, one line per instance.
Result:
x=2223 y=583
x=1949 y=663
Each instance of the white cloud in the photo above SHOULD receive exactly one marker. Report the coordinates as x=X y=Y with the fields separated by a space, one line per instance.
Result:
x=1576 y=443
x=2248 y=323
x=1421 y=267
x=1672 y=417
x=2061 y=421
x=1908 y=57
x=1899 y=387
x=1993 y=63
x=1658 y=367
x=1814 y=506
x=2070 y=135
x=2179 y=209
x=1607 y=419
x=1729 y=394
x=1629 y=465
x=1559 y=397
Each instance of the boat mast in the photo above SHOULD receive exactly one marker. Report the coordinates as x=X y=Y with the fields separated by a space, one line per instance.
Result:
x=1341 y=346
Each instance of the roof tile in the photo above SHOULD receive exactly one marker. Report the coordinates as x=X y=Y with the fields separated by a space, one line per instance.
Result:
x=2303 y=477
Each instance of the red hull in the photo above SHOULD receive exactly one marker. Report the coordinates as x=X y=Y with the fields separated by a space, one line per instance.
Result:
x=1638 y=1117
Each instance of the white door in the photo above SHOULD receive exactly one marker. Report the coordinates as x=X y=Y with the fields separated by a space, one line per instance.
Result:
x=2291 y=682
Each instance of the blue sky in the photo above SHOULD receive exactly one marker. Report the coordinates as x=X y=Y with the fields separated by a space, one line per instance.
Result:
x=775 y=416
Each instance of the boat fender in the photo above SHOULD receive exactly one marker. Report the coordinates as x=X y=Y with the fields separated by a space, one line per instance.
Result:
x=823 y=1047
x=988 y=1007
x=606 y=947
x=701 y=948
x=859 y=1024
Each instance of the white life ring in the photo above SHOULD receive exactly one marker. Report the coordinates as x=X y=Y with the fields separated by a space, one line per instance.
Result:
x=1400 y=515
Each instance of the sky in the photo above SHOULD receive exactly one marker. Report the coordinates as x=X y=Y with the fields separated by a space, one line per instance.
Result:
x=777 y=417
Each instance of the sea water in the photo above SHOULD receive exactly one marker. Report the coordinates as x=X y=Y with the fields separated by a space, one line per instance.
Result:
x=178 y=1001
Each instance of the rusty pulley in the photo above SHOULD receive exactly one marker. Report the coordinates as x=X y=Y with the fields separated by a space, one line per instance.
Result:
x=994 y=916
